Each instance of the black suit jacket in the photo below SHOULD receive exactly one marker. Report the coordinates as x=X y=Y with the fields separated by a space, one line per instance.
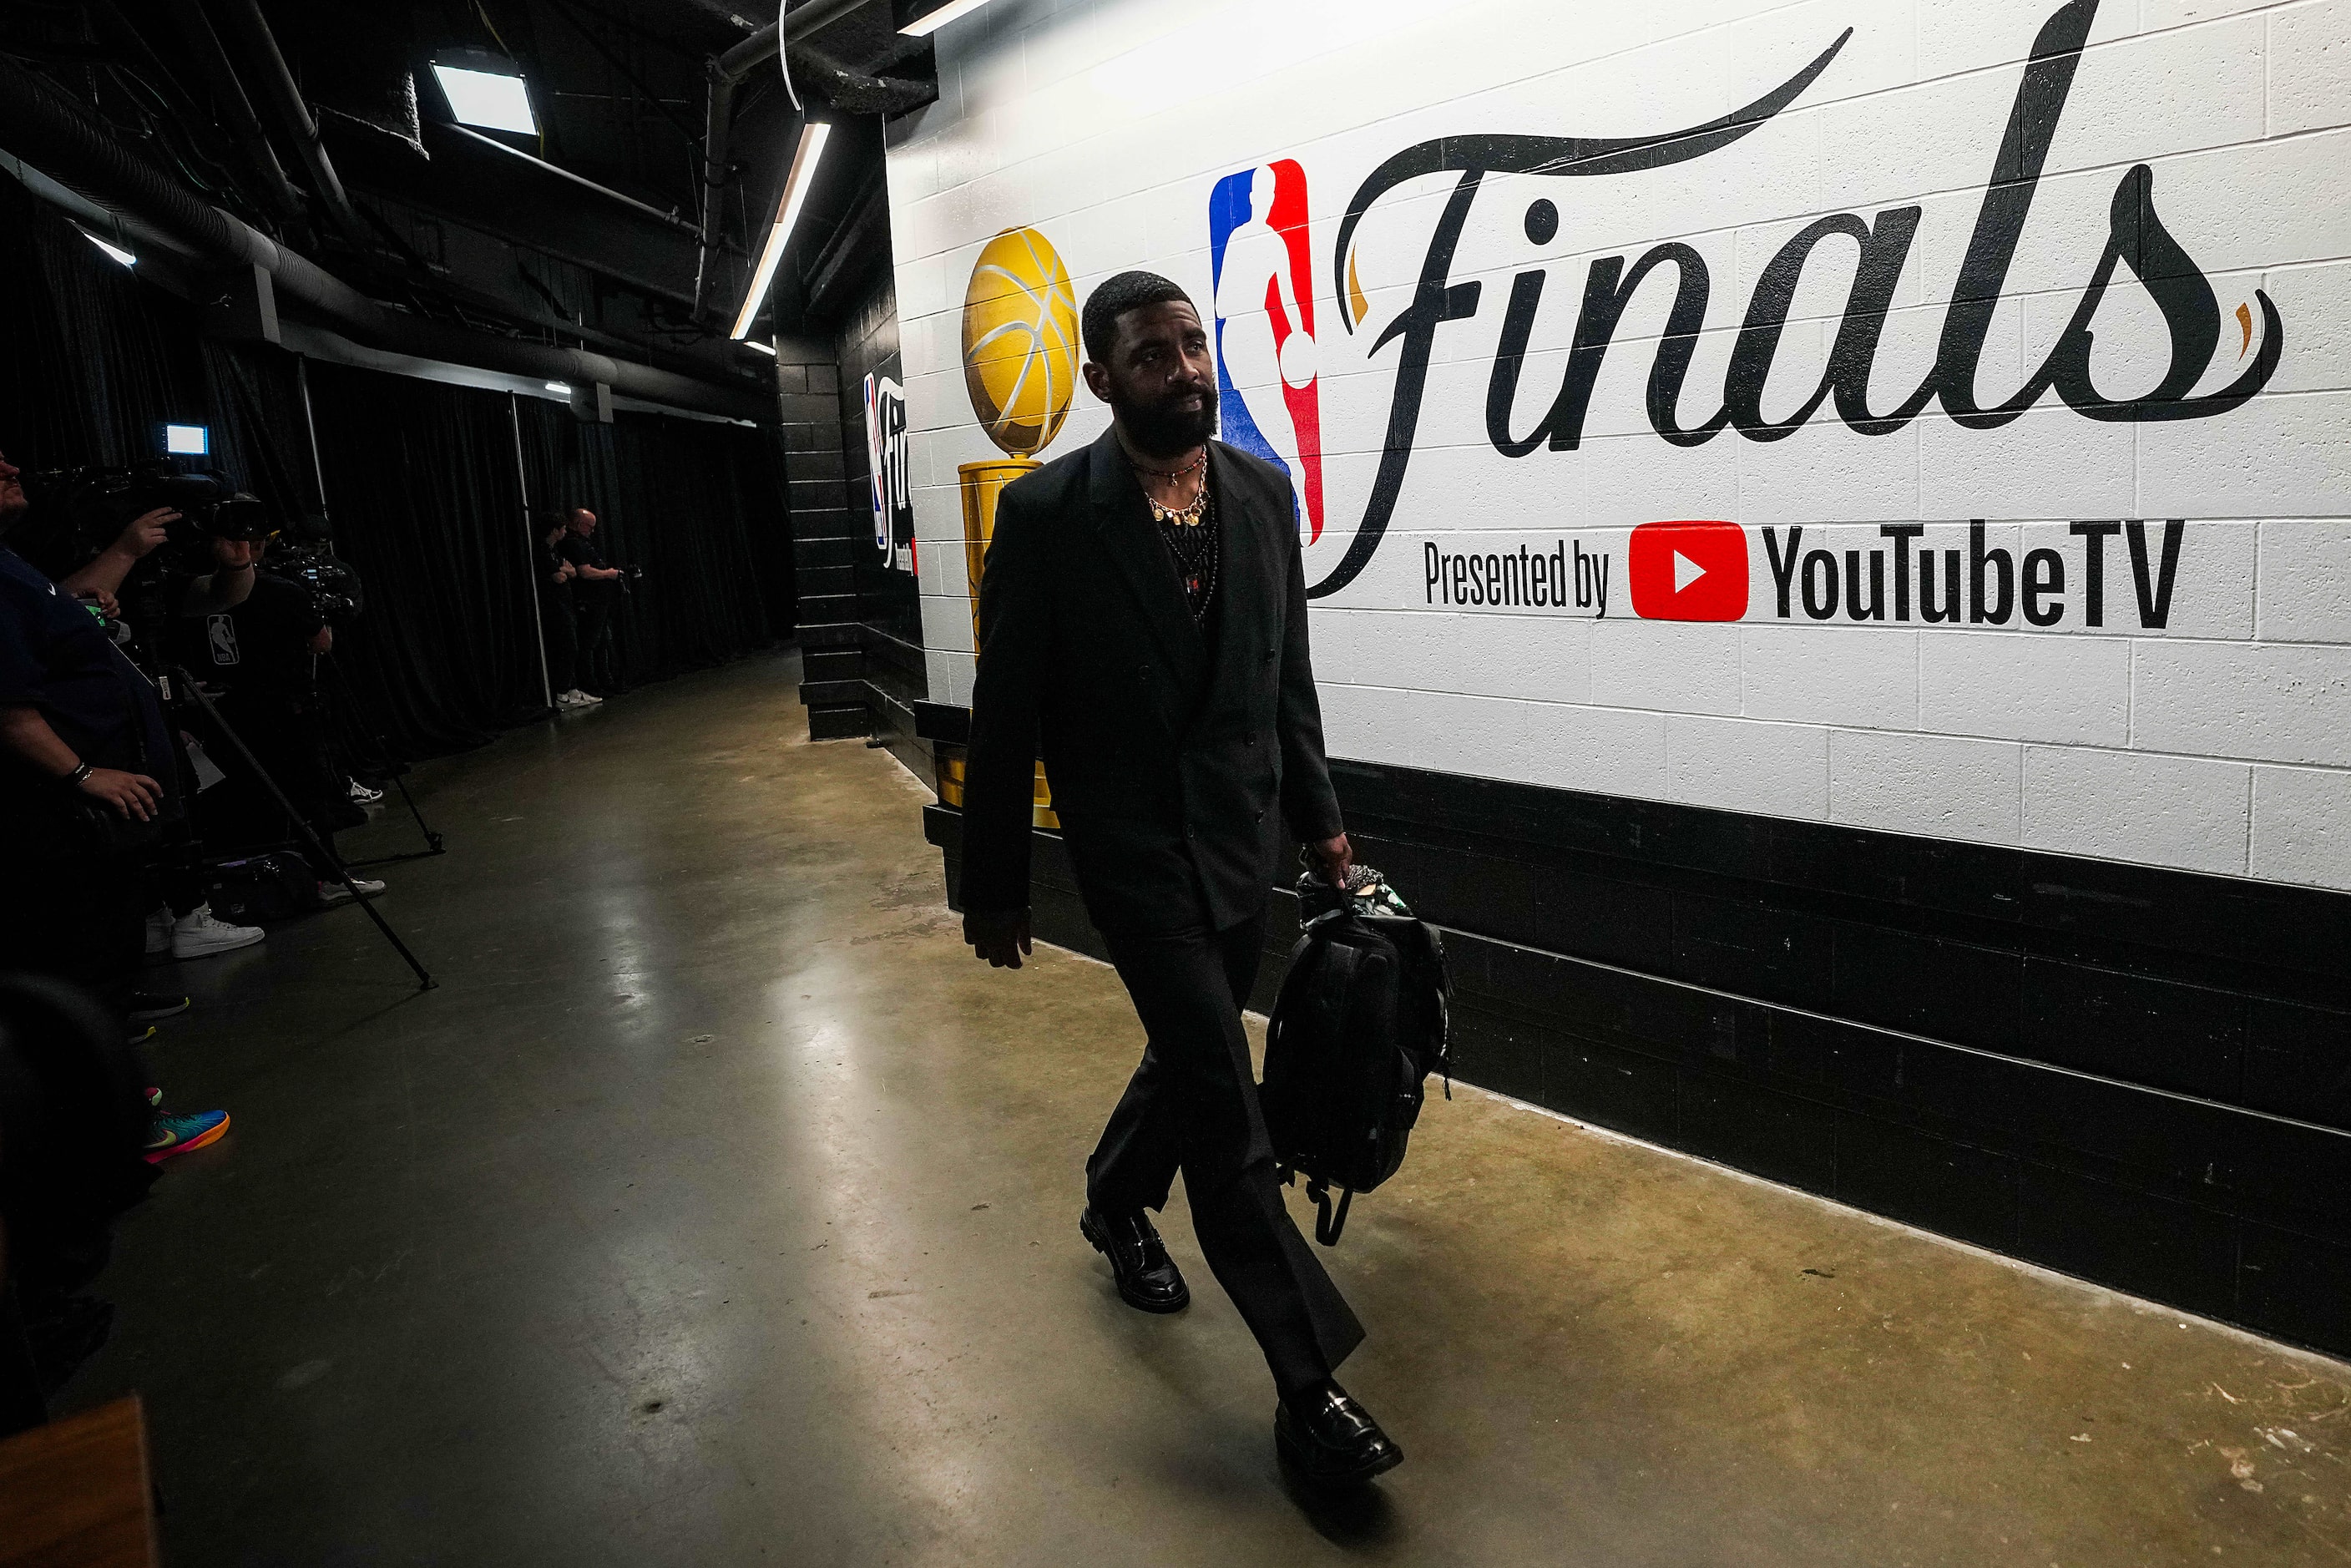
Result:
x=1168 y=757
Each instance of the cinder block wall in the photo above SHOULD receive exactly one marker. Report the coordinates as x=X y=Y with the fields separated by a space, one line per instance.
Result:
x=1960 y=823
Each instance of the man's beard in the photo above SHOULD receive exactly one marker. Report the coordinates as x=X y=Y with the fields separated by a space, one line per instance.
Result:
x=1164 y=430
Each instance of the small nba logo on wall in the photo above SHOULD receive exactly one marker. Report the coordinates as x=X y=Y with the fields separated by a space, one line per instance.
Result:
x=889 y=465
x=1261 y=269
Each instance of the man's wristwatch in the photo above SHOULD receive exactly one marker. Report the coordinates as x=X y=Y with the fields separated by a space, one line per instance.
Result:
x=73 y=780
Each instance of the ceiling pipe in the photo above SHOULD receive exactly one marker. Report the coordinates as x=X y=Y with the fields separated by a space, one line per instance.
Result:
x=49 y=129
x=610 y=194
x=235 y=108
x=726 y=72
x=285 y=101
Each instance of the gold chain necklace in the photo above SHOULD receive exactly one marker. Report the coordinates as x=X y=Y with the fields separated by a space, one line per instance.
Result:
x=1187 y=515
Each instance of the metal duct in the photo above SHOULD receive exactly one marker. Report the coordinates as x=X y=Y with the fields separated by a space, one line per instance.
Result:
x=286 y=100
x=51 y=131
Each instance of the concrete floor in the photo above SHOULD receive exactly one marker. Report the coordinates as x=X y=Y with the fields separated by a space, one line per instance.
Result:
x=719 y=1208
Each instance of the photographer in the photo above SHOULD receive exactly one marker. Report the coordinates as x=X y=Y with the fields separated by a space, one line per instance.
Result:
x=595 y=590
x=558 y=618
x=88 y=779
x=262 y=655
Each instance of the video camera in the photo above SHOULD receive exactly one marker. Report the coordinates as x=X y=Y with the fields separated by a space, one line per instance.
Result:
x=305 y=555
x=97 y=503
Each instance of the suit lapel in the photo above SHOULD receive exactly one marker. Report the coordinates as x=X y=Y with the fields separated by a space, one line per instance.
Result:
x=1123 y=518
x=1248 y=581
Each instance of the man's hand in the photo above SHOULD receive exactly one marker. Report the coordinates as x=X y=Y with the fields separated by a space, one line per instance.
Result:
x=131 y=794
x=1000 y=937
x=235 y=555
x=108 y=605
x=1336 y=857
x=146 y=531
x=565 y=573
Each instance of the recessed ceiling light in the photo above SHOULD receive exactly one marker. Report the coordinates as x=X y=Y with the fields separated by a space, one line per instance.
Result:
x=560 y=389
x=495 y=100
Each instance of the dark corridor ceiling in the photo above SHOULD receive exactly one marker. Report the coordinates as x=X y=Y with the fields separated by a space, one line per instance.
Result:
x=440 y=222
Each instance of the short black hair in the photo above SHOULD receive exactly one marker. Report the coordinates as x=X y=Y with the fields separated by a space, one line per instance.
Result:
x=1113 y=298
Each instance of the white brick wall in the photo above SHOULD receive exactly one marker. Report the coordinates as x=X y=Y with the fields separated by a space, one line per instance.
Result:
x=2218 y=740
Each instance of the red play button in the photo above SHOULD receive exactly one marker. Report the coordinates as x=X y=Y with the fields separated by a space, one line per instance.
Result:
x=1688 y=571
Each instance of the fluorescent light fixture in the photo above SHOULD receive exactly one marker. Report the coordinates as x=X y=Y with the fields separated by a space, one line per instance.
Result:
x=560 y=389
x=187 y=439
x=924 y=26
x=795 y=187
x=116 y=251
x=495 y=100
x=767 y=348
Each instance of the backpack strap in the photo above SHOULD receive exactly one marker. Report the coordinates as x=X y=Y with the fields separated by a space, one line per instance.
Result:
x=1328 y=1222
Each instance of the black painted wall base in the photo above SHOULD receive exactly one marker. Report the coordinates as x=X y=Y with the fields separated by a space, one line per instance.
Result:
x=2231 y=1210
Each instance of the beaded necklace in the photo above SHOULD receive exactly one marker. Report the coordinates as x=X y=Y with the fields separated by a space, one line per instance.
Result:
x=1191 y=535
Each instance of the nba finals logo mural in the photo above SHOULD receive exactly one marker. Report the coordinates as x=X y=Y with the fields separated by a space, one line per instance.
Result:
x=1269 y=361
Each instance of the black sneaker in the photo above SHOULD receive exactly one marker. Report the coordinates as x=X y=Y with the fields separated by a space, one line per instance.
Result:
x=146 y=1007
x=1147 y=1278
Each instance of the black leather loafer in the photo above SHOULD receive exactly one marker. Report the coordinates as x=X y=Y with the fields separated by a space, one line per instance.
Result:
x=1147 y=1278
x=1330 y=1441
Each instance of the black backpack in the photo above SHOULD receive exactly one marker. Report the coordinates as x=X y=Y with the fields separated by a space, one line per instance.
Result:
x=1359 y=1023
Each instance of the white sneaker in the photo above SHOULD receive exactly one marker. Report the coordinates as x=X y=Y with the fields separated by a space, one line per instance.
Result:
x=364 y=796
x=584 y=699
x=570 y=700
x=335 y=893
x=159 y=930
x=196 y=934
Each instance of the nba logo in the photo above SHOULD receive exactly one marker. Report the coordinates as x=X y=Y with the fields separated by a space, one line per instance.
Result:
x=1261 y=273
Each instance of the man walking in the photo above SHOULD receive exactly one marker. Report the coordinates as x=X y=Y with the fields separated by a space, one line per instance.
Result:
x=1143 y=628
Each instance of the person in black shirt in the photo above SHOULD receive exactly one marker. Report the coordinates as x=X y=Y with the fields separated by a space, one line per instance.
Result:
x=262 y=655
x=558 y=618
x=595 y=589
x=86 y=777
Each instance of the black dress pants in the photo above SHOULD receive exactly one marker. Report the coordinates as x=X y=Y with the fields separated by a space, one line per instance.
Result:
x=559 y=626
x=1192 y=1105
x=596 y=671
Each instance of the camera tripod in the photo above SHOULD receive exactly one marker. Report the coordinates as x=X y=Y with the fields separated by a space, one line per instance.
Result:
x=326 y=858
x=398 y=771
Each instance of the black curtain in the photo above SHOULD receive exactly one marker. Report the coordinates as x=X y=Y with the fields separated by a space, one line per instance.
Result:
x=94 y=363
x=695 y=504
x=422 y=485
x=259 y=437
x=420 y=479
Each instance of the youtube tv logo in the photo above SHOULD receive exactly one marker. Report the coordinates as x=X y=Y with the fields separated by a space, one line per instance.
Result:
x=1688 y=571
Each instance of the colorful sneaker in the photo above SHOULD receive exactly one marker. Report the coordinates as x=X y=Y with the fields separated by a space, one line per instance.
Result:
x=178 y=1135
x=335 y=893
x=154 y=1099
x=196 y=934
x=146 y=1007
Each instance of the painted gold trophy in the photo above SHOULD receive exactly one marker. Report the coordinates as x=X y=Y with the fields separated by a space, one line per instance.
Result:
x=1021 y=366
